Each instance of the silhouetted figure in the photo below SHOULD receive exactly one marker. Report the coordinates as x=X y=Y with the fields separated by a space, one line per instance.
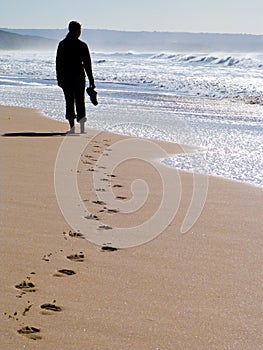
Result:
x=72 y=62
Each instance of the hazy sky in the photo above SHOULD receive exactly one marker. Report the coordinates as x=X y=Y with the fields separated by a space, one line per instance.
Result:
x=222 y=16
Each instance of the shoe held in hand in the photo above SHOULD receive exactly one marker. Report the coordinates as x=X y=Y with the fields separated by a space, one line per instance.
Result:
x=93 y=95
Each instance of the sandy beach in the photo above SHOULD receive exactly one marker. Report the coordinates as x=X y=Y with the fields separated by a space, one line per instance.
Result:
x=199 y=290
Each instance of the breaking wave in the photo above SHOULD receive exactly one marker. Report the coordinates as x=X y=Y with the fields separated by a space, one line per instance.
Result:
x=213 y=59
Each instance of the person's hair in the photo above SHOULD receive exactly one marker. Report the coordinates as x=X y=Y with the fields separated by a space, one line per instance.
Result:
x=74 y=26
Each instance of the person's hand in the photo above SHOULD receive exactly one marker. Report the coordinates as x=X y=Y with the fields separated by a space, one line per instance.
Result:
x=92 y=85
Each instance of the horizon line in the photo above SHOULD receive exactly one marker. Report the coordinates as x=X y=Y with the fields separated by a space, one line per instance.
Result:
x=137 y=31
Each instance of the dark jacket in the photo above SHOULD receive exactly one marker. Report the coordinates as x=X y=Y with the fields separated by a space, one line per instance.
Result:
x=73 y=60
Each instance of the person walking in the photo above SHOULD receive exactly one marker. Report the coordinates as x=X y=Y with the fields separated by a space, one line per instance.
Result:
x=73 y=63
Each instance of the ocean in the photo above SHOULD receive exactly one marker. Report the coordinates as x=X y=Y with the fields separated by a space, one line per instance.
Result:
x=213 y=102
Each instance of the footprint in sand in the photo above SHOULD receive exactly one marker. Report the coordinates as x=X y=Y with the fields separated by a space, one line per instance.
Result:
x=30 y=332
x=112 y=211
x=91 y=217
x=100 y=190
x=91 y=169
x=26 y=286
x=73 y=234
x=86 y=162
x=76 y=257
x=108 y=248
x=104 y=227
x=50 y=307
x=99 y=202
x=64 y=272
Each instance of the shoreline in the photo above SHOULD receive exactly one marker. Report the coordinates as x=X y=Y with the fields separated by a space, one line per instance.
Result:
x=186 y=148
x=198 y=290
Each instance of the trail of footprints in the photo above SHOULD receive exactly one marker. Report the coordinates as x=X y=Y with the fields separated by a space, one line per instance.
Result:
x=91 y=160
x=27 y=286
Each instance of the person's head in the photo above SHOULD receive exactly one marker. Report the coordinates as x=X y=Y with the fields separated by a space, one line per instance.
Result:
x=74 y=28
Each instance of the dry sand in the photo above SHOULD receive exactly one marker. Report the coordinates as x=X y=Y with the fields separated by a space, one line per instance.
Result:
x=202 y=290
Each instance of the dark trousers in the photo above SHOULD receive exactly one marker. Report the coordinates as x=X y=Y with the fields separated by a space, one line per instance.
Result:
x=74 y=91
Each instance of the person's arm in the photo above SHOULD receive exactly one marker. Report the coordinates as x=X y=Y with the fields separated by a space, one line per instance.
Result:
x=88 y=66
x=59 y=65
